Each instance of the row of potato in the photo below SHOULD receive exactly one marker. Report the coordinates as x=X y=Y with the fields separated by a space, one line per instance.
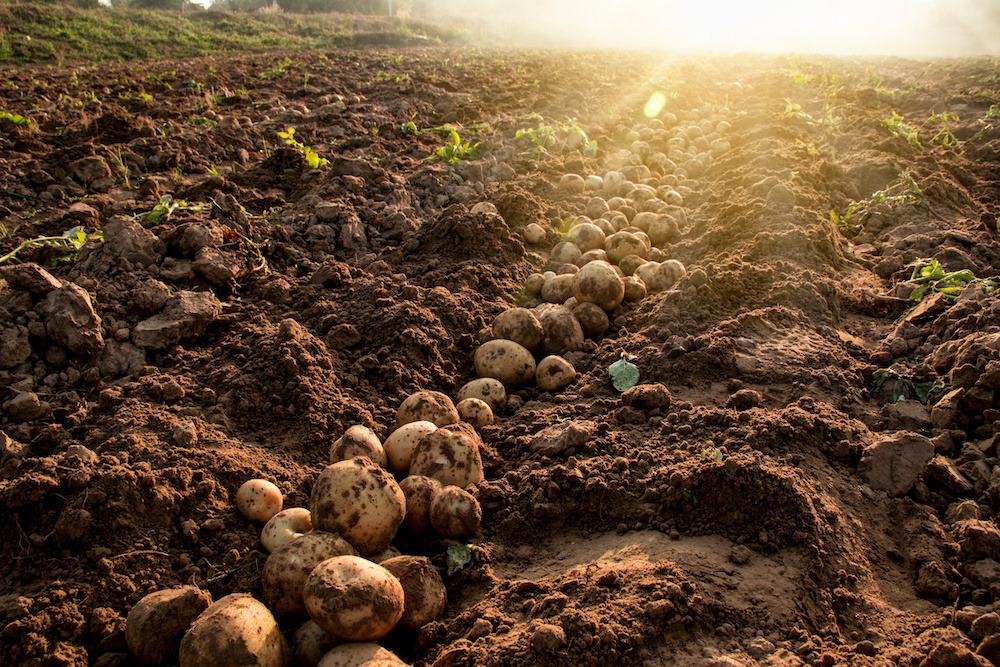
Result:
x=332 y=563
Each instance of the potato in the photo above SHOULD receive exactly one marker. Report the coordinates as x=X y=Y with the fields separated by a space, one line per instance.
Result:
x=586 y=236
x=424 y=594
x=450 y=455
x=358 y=440
x=592 y=256
x=287 y=568
x=598 y=283
x=475 y=412
x=504 y=360
x=155 y=625
x=613 y=180
x=630 y=263
x=485 y=207
x=663 y=229
x=234 y=631
x=258 y=500
x=648 y=274
x=359 y=500
x=419 y=491
x=607 y=226
x=554 y=373
x=534 y=233
x=635 y=289
x=622 y=244
x=670 y=273
x=564 y=252
x=519 y=325
x=359 y=654
x=285 y=526
x=312 y=643
x=568 y=269
x=455 y=513
x=616 y=219
x=592 y=318
x=430 y=406
x=353 y=598
x=489 y=390
x=596 y=206
x=533 y=283
x=558 y=288
x=572 y=182
x=593 y=182
x=400 y=444
x=562 y=331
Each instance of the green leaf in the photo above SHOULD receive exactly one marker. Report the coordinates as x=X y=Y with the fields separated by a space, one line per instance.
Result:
x=624 y=374
x=458 y=557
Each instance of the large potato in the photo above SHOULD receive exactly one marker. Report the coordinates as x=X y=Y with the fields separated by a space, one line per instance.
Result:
x=557 y=288
x=586 y=236
x=519 y=325
x=285 y=526
x=358 y=440
x=489 y=390
x=504 y=360
x=288 y=567
x=592 y=318
x=562 y=332
x=424 y=594
x=400 y=444
x=431 y=406
x=599 y=283
x=670 y=273
x=359 y=654
x=155 y=625
x=234 y=632
x=450 y=455
x=353 y=598
x=359 y=500
x=419 y=492
x=622 y=244
x=455 y=513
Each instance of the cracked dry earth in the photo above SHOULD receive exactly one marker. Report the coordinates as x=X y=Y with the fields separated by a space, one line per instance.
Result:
x=752 y=502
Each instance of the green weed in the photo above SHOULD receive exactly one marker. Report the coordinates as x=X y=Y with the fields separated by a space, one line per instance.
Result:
x=310 y=157
x=930 y=277
x=72 y=241
x=904 y=387
x=454 y=150
x=904 y=191
x=165 y=208
x=898 y=126
x=15 y=119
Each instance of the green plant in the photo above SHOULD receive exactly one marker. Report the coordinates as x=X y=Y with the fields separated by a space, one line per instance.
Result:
x=544 y=136
x=711 y=454
x=454 y=150
x=904 y=191
x=904 y=387
x=165 y=208
x=944 y=136
x=310 y=157
x=409 y=127
x=930 y=277
x=71 y=240
x=15 y=119
x=277 y=70
x=898 y=126
x=624 y=374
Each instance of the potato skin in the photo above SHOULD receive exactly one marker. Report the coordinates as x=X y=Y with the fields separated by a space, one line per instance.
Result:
x=258 y=500
x=455 y=513
x=358 y=440
x=554 y=373
x=504 y=360
x=424 y=594
x=599 y=283
x=285 y=526
x=359 y=500
x=353 y=598
x=489 y=390
x=235 y=631
x=432 y=406
x=400 y=444
x=155 y=625
x=475 y=412
x=419 y=491
x=311 y=644
x=562 y=331
x=519 y=325
x=450 y=455
x=360 y=654
x=288 y=567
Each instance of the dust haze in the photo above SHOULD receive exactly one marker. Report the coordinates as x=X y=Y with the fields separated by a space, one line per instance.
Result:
x=840 y=27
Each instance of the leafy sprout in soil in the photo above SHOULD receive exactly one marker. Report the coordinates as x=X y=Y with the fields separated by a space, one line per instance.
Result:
x=624 y=374
x=410 y=128
x=930 y=277
x=72 y=241
x=897 y=125
x=544 y=136
x=454 y=150
x=903 y=191
x=165 y=208
x=15 y=119
x=904 y=387
x=310 y=157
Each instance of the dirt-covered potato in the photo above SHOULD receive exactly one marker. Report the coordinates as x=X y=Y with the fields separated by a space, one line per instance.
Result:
x=558 y=288
x=635 y=289
x=155 y=625
x=622 y=244
x=258 y=500
x=504 y=360
x=419 y=491
x=359 y=500
x=475 y=412
x=648 y=273
x=533 y=284
x=311 y=643
x=288 y=567
x=554 y=373
x=360 y=654
x=562 y=331
x=358 y=440
x=630 y=263
x=489 y=390
x=455 y=513
x=596 y=255
x=353 y=598
x=565 y=252
x=400 y=444
x=598 y=283
x=285 y=526
x=519 y=325
x=592 y=318
x=663 y=230
x=233 y=632
x=534 y=233
x=670 y=273
x=450 y=455
x=431 y=406
x=424 y=594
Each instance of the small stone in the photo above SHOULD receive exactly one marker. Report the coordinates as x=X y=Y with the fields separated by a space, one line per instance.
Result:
x=548 y=638
x=130 y=241
x=895 y=462
x=932 y=581
x=90 y=169
x=745 y=399
x=740 y=555
x=989 y=648
x=647 y=397
x=186 y=315
x=984 y=626
x=558 y=438
x=29 y=278
x=25 y=406
x=70 y=319
x=15 y=348
x=978 y=539
x=185 y=434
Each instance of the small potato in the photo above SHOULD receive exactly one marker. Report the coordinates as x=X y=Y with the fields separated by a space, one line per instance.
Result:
x=424 y=594
x=592 y=318
x=534 y=233
x=635 y=289
x=359 y=500
x=663 y=229
x=572 y=182
x=598 y=283
x=670 y=273
x=358 y=440
x=596 y=206
x=286 y=570
x=476 y=412
x=419 y=491
x=353 y=598
x=400 y=444
x=489 y=390
x=359 y=654
x=311 y=643
x=485 y=207
x=431 y=406
x=554 y=373
x=586 y=236
x=519 y=325
x=597 y=255
x=455 y=513
x=630 y=263
x=558 y=288
x=562 y=331
x=155 y=625
x=594 y=182
x=622 y=244
x=285 y=526
x=234 y=631
x=565 y=252
x=258 y=500
x=533 y=284
x=450 y=455
x=648 y=274
x=504 y=360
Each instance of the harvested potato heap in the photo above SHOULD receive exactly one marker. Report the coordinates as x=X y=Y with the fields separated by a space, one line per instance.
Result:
x=321 y=567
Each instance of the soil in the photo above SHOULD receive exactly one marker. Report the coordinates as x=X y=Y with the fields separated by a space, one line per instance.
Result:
x=768 y=508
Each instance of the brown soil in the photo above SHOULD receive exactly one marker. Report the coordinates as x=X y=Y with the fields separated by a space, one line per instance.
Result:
x=733 y=526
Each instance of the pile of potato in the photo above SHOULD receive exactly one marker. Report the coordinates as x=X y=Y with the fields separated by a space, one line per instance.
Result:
x=331 y=563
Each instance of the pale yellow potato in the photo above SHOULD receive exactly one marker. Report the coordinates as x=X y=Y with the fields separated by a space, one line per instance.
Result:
x=622 y=244
x=155 y=625
x=562 y=331
x=431 y=406
x=285 y=526
x=519 y=325
x=258 y=500
x=286 y=570
x=635 y=289
x=359 y=654
x=504 y=360
x=557 y=288
x=400 y=444
x=598 y=283
x=451 y=455
x=233 y=632
x=476 y=412
x=419 y=491
x=554 y=373
x=489 y=390
x=424 y=594
x=455 y=513
x=311 y=643
x=534 y=233
x=353 y=598
x=358 y=440
x=592 y=318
